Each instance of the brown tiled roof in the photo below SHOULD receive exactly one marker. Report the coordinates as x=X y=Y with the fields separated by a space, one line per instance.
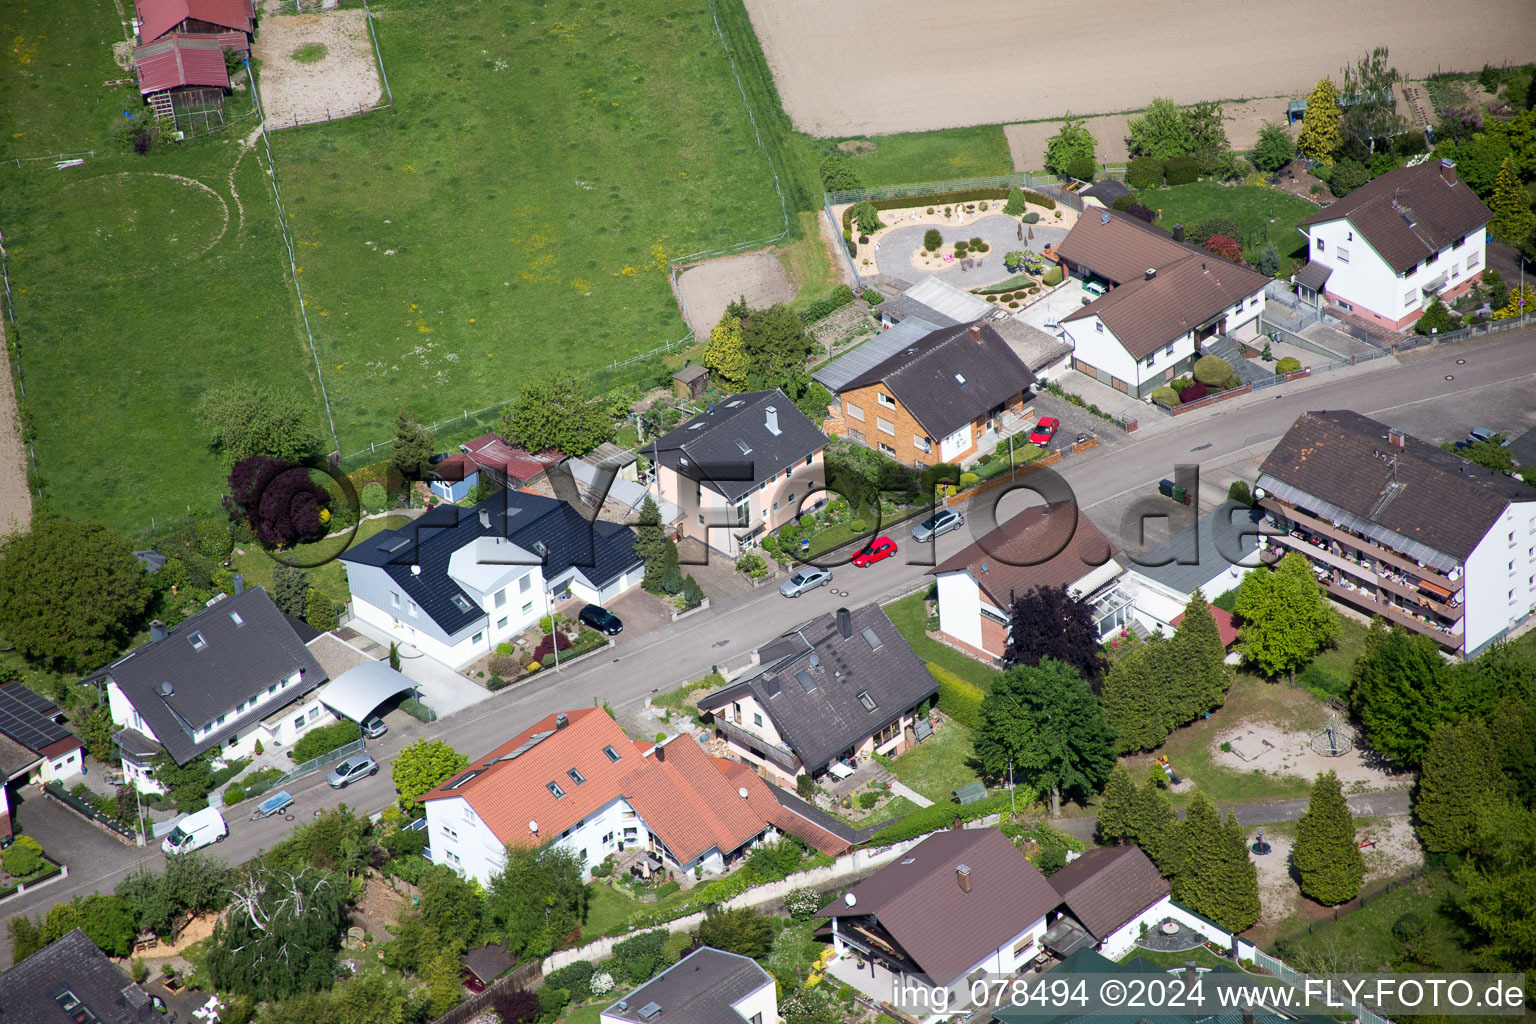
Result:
x=942 y=928
x=1226 y=625
x=1314 y=276
x=1035 y=548
x=1118 y=247
x=1105 y=888
x=681 y=794
x=1440 y=499
x=1410 y=213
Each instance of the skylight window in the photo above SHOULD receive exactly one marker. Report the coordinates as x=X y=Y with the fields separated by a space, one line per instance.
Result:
x=867 y=701
x=236 y=619
x=197 y=641
x=871 y=637
x=576 y=776
x=960 y=377
x=804 y=679
x=613 y=755
x=555 y=790
x=460 y=602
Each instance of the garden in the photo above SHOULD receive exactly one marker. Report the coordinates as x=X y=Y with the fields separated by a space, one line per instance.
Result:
x=1210 y=377
x=535 y=649
x=24 y=863
x=1260 y=216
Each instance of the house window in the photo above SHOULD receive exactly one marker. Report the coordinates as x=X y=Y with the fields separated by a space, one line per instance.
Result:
x=791 y=499
x=453 y=856
x=527 y=607
x=298 y=723
x=736 y=710
x=921 y=443
x=885 y=448
x=1346 y=307
x=1455 y=269
x=576 y=776
x=1150 y=360
x=555 y=790
x=867 y=700
x=501 y=598
x=885 y=425
x=757 y=719
x=1461 y=241
x=501 y=623
x=810 y=458
x=314 y=713
x=394 y=600
x=220 y=720
x=1169 y=350
x=1023 y=944
x=1473 y=260
x=524 y=583
x=477 y=637
x=613 y=755
x=450 y=833
x=271 y=689
x=853 y=411
x=1319 y=245
x=741 y=512
x=1411 y=299
x=885 y=400
x=413 y=608
x=1098 y=325
x=701 y=518
x=1343 y=255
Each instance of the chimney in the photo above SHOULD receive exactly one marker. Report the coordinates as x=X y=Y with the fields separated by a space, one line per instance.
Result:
x=1448 y=171
x=485 y=518
x=239 y=583
x=1247 y=1017
x=1396 y=436
x=963 y=876
x=1203 y=268
x=1151 y=273
x=562 y=720
x=661 y=751
x=1178 y=232
x=157 y=631
x=845 y=623
x=976 y=333
x=773 y=421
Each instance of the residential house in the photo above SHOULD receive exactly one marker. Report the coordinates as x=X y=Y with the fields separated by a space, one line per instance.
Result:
x=157 y=18
x=34 y=746
x=939 y=399
x=1166 y=302
x=1107 y=896
x=838 y=688
x=708 y=986
x=458 y=581
x=231 y=676
x=741 y=470
x=1041 y=547
x=574 y=779
x=1213 y=555
x=959 y=906
x=1395 y=244
x=1398 y=528
x=71 y=979
x=508 y=465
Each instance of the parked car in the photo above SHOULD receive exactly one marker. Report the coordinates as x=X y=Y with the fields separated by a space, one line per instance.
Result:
x=938 y=524
x=876 y=550
x=196 y=831
x=602 y=620
x=1044 y=431
x=806 y=579
x=374 y=727
x=1477 y=434
x=352 y=769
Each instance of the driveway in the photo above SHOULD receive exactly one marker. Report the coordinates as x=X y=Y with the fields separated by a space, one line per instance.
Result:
x=1001 y=233
x=641 y=613
x=66 y=836
x=1074 y=421
x=443 y=689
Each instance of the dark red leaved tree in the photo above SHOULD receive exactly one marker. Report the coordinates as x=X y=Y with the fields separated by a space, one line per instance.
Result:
x=1225 y=247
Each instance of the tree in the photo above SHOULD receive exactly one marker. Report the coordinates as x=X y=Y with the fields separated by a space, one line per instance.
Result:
x=536 y=900
x=1269 y=260
x=1320 y=136
x=776 y=344
x=1490 y=454
x=560 y=412
x=1460 y=772
x=1286 y=618
x=650 y=543
x=252 y=418
x=1274 y=148
x=932 y=239
x=1133 y=698
x=1512 y=219
x=743 y=931
x=838 y=173
x=280 y=935
x=290 y=589
x=414 y=447
x=1522 y=302
x=1216 y=878
x=1049 y=622
x=1161 y=131
x=1326 y=854
x=1114 y=821
x=191 y=882
x=71 y=593
x=724 y=356
x=1226 y=248
x=1498 y=884
x=814 y=402
x=1082 y=168
x=1207 y=138
x=1348 y=174
x=423 y=765
x=1401 y=692
x=1436 y=318
x=451 y=906
x=187 y=784
x=282 y=503
x=866 y=218
x=1155 y=828
x=1044 y=720
x=96 y=732
x=1073 y=142
x=1198 y=660
x=106 y=920
x=1371 y=114
x=26 y=937
x=1478 y=160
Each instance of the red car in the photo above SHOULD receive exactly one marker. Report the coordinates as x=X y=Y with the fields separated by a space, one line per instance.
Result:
x=874 y=551
x=1044 y=431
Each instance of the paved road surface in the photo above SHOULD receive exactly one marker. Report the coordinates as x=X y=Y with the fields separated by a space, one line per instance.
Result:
x=1498 y=377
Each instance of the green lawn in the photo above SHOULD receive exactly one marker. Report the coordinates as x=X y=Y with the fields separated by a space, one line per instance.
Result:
x=608 y=907
x=934 y=156
x=1252 y=206
x=894 y=808
x=1200 y=955
x=908 y=616
x=1364 y=936
x=330 y=579
x=591 y=1013
x=937 y=767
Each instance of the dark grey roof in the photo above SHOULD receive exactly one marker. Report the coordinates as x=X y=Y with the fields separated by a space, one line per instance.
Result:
x=1314 y=275
x=1418 y=492
x=153 y=561
x=601 y=551
x=15 y=759
x=28 y=718
x=29 y=991
x=856 y=361
x=1523 y=448
x=1107 y=191
x=690 y=373
x=701 y=988
x=1228 y=535
x=730 y=449
x=903 y=307
x=237 y=660
x=1106 y=888
x=820 y=723
x=951 y=377
x=488 y=962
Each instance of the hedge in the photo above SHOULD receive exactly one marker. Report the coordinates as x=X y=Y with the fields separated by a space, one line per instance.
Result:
x=1052 y=277
x=575 y=976
x=945 y=199
x=1288 y=365
x=1181 y=170
x=1144 y=172
x=1165 y=396
x=941 y=816
x=959 y=699
x=1040 y=200
x=324 y=740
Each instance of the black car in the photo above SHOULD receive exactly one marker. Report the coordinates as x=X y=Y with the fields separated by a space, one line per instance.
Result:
x=602 y=620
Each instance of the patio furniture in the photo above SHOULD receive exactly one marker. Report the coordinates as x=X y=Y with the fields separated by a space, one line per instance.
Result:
x=839 y=770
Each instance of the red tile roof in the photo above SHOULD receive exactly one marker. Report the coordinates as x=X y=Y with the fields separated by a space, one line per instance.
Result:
x=1226 y=625
x=761 y=799
x=157 y=17
x=182 y=58
x=1036 y=548
x=491 y=452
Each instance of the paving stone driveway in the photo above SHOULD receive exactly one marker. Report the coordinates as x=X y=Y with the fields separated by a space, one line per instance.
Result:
x=998 y=231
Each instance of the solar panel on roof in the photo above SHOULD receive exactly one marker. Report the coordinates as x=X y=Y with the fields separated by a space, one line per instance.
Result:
x=649 y=1010
x=526 y=745
x=804 y=679
x=24 y=719
x=394 y=544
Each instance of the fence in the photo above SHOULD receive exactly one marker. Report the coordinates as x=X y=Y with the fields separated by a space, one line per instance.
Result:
x=1022 y=179
x=528 y=976
x=88 y=810
x=1293 y=977
x=330 y=115
x=311 y=766
x=56 y=158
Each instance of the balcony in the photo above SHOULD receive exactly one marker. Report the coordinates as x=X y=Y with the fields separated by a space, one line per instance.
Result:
x=1412 y=569
x=1380 y=576
x=1448 y=637
x=777 y=753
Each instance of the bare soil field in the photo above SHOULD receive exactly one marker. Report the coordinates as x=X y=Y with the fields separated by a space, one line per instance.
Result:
x=15 y=498
x=337 y=72
x=1396 y=851
x=1026 y=142
x=705 y=289
x=998 y=61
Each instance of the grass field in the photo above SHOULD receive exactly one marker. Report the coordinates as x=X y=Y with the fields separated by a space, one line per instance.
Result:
x=1250 y=205
x=328 y=580
x=933 y=156
x=517 y=213
x=937 y=767
x=907 y=615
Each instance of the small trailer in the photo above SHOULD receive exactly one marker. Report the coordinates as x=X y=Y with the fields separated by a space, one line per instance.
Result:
x=277 y=803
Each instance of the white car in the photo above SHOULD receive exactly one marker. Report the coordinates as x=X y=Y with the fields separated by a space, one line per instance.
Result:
x=806 y=579
x=196 y=831
x=941 y=522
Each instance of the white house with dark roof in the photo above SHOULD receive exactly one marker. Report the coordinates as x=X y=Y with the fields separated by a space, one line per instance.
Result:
x=458 y=581
x=1213 y=555
x=708 y=986
x=838 y=688
x=1395 y=244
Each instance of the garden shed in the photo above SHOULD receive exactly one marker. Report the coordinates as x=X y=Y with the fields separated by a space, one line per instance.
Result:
x=690 y=382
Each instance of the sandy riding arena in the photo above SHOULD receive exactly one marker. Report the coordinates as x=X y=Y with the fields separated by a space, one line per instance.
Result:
x=705 y=289
x=999 y=61
x=316 y=65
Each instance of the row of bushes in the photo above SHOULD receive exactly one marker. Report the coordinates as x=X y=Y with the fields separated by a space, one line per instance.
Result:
x=1150 y=172
x=959 y=699
x=820 y=309
x=254 y=784
x=1077 y=400
x=323 y=740
x=940 y=816
x=949 y=198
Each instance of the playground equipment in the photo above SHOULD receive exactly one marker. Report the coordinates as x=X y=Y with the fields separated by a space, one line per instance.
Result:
x=1260 y=847
x=1334 y=739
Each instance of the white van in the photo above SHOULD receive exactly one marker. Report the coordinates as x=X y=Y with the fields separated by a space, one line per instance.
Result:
x=196 y=831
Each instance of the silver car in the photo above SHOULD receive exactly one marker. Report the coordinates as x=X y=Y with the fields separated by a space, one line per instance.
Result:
x=938 y=524
x=806 y=579
x=352 y=769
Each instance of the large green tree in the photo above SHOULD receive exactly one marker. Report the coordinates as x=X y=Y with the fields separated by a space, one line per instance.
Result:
x=537 y=899
x=1207 y=137
x=1072 y=142
x=724 y=355
x=1320 y=135
x=1133 y=698
x=1274 y=149
x=560 y=412
x=1326 y=854
x=1156 y=829
x=1159 y=131
x=1199 y=673
x=1497 y=885
x=1286 y=617
x=1401 y=692
x=414 y=446
x=290 y=589
x=1371 y=116
x=1045 y=721
x=743 y=931
x=1510 y=203
x=106 y=919
x=250 y=418
x=776 y=344
x=186 y=784
x=1114 y=818
x=191 y=882
x=1216 y=877
x=651 y=544
x=280 y=935
x=71 y=593
x=423 y=765
x=1459 y=773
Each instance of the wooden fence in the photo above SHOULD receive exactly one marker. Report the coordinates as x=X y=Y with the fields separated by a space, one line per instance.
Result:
x=963 y=497
x=528 y=976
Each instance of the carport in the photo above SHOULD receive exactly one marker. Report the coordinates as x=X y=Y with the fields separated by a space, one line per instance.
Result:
x=358 y=691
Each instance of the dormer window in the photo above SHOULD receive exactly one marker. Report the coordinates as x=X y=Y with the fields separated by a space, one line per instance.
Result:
x=197 y=641
x=460 y=602
x=576 y=776
x=613 y=755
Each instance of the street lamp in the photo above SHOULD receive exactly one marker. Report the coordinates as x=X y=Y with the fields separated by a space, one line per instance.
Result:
x=549 y=613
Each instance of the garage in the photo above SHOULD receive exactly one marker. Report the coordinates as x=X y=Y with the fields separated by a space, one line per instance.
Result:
x=357 y=692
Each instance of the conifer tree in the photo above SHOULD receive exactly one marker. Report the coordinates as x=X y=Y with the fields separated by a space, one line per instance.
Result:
x=1320 y=136
x=1326 y=854
x=1460 y=772
x=1216 y=878
x=1155 y=828
x=1198 y=658
x=1134 y=697
x=650 y=544
x=1114 y=824
x=1512 y=219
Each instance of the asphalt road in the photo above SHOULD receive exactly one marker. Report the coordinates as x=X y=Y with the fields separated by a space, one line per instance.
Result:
x=1493 y=382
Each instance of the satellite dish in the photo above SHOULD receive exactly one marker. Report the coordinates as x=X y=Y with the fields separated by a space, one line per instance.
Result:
x=1260 y=493
x=743 y=792
x=849 y=899
x=533 y=826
